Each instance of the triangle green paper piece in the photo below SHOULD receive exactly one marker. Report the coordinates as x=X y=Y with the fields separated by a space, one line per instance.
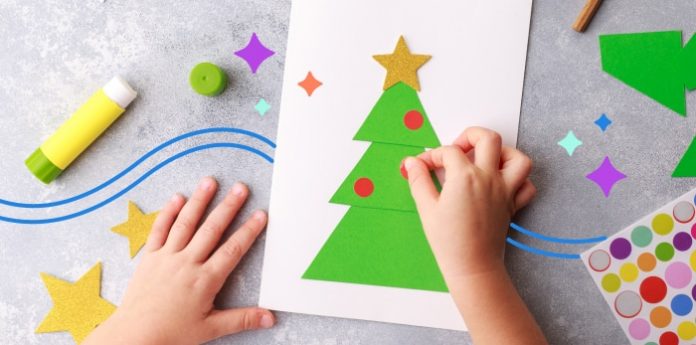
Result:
x=378 y=247
x=381 y=164
x=687 y=165
x=385 y=123
x=689 y=63
x=651 y=63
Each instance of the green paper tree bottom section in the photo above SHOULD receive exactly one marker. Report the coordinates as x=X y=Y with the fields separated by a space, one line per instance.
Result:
x=687 y=165
x=378 y=247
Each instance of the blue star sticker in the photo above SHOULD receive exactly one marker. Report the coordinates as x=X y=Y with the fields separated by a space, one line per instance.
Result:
x=603 y=122
x=262 y=107
x=570 y=143
x=254 y=53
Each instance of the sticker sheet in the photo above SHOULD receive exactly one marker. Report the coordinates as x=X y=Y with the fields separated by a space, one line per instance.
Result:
x=646 y=275
x=366 y=84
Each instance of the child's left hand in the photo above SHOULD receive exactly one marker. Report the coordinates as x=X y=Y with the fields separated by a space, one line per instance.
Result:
x=170 y=297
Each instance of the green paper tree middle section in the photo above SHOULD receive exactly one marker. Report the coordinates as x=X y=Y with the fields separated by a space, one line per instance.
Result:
x=380 y=240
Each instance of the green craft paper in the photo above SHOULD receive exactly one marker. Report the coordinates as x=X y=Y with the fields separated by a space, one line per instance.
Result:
x=689 y=63
x=381 y=163
x=385 y=123
x=650 y=63
x=687 y=165
x=378 y=247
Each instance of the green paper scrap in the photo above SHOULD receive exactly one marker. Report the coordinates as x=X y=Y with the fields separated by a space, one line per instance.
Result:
x=687 y=165
x=378 y=247
x=385 y=123
x=654 y=63
x=381 y=163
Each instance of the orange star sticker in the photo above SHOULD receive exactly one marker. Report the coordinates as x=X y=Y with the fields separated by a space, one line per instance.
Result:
x=402 y=66
x=309 y=83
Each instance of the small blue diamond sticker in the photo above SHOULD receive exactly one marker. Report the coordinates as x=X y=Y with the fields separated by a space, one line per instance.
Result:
x=262 y=107
x=603 y=122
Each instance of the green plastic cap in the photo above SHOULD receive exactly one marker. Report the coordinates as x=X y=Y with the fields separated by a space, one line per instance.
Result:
x=208 y=79
x=42 y=167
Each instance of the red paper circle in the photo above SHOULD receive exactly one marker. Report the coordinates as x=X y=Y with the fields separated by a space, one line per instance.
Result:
x=404 y=173
x=669 y=338
x=363 y=187
x=413 y=119
x=653 y=289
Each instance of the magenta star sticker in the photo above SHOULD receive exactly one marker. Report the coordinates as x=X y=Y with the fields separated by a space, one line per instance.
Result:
x=254 y=53
x=606 y=176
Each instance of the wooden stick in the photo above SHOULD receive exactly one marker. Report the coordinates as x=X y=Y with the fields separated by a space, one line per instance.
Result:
x=586 y=15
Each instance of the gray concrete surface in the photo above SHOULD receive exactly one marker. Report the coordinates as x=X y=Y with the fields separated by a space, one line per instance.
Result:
x=54 y=54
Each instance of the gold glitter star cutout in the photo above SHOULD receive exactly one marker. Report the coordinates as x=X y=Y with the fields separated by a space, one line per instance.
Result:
x=402 y=66
x=136 y=228
x=77 y=307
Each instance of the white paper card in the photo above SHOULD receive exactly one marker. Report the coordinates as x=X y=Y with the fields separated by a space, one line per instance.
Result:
x=475 y=77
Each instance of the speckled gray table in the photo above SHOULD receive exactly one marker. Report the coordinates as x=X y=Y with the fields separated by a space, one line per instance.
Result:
x=54 y=54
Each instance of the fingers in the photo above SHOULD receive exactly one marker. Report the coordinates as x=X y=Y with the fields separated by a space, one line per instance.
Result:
x=486 y=145
x=515 y=169
x=226 y=258
x=163 y=222
x=524 y=195
x=190 y=215
x=231 y=321
x=208 y=235
x=450 y=158
x=421 y=183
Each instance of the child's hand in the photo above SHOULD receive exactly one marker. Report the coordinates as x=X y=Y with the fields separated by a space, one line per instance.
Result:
x=170 y=297
x=466 y=224
x=484 y=184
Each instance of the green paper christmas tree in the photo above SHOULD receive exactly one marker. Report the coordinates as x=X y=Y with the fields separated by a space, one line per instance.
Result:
x=653 y=63
x=687 y=165
x=380 y=240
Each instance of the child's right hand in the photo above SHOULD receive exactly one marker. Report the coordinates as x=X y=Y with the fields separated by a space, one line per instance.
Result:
x=466 y=224
x=484 y=184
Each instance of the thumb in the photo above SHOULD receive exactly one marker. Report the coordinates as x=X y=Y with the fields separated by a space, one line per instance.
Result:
x=421 y=182
x=231 y=321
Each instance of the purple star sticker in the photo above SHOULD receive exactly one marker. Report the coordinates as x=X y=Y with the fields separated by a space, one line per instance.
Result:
x=605 y=176
x=254 y=53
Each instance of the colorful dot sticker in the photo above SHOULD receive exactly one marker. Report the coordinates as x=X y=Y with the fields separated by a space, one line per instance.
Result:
x=599 y=260
x=678 y=275
x=682 y=241
x=628 y=304
x=683 y=212
x=692 y=261
x=664 y=251
x=646 y=262
x=686 y=330
x=413 y=120
x=693 y=231
x=611 y=282
x=628 y=272
x=639 y=329
x=662 y=224
x=363 y=187
x=641 y=236
x=681 y=304
x=653 y=289
x=669 y=338
x=620 y=248
x=660 y=317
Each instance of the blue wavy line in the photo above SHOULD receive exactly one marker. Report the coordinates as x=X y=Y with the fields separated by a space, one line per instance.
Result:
x=136 y=182
x=138 y=162
x=541 y=251
x=557 y=239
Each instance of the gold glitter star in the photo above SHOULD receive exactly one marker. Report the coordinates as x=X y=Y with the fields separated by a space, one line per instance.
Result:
x=77 y=307
x=402 y=66
x=136 y=228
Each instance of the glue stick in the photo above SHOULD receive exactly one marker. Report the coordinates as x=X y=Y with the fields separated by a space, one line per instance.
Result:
x=80 y=130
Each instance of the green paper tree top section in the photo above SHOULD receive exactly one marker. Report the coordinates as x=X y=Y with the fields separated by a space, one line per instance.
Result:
x=378 y=247
x=653 y=63
x=398 y=118
x=377 y=181
x=687 y=165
